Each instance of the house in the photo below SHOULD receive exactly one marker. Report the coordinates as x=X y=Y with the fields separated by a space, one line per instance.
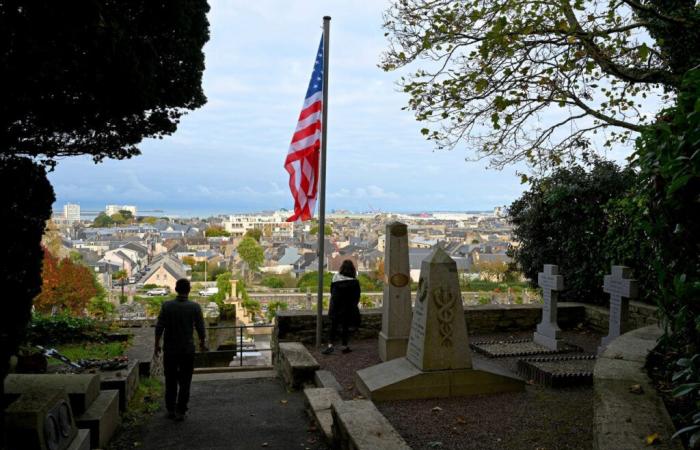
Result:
x=164 y=271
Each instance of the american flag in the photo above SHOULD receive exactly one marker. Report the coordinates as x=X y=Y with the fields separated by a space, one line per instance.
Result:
x=303 y=154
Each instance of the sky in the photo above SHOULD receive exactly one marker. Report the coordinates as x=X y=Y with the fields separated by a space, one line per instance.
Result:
x=228 y=156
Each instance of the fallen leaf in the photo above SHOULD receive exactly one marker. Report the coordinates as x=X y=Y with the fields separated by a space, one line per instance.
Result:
x=636 y=389
x=461 y=420
x=435 y=444
x=436 y=409
x=312 y=428
x=652 y=439
x=264 y=444
x=349 y=387
x=530 y=381
x=618 y=356
x=284 y=402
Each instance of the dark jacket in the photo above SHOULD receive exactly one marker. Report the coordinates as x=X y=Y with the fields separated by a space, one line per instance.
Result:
x=345 y=296
x=178 y=318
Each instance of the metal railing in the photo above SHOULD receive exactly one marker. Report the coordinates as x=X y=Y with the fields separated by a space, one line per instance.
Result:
x=239 y=348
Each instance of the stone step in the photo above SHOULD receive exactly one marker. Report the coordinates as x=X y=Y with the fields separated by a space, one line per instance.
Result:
x=81 y=441
x=82 y=389
x=325 y=379
x=296 y=364
x=125 y=381
x=101 y=418
x=358 y=425
x=318 y=402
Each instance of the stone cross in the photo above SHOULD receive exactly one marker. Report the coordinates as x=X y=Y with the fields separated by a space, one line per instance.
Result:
x=438 y=339
x=396 y=301
x=548 y=331
x=621 y=288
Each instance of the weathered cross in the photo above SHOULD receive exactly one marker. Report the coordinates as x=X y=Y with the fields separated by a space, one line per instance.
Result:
x=548 y=331
x=621 y=288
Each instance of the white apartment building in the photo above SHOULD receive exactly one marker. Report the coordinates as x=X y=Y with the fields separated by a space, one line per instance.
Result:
x=271 y=225
x=71 y=212
x=113 y=209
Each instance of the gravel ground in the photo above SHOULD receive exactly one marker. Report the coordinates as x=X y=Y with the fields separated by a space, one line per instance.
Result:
x=536 y=419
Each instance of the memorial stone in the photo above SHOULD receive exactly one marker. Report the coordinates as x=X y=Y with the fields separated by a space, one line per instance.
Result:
x=438 y=360
x=396 y=301
x=548 y=331
x=621 y=288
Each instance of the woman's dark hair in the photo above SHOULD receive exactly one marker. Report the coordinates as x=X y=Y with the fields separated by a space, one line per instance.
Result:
x=348 y=269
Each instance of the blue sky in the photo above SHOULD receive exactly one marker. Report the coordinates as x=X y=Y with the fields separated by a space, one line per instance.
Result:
x=228 y=156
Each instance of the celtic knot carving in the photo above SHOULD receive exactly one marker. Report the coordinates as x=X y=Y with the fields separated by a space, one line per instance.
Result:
x=445 y=301
x=422 y=292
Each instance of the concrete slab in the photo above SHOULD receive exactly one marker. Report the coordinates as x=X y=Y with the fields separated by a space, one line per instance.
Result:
x=82 y=389
x=81 y=441
x=319 y=402
x=125 y=381
x=296 y=365
x=399 y=379
x=324 y=378
x=358 y=425
x=102 y=418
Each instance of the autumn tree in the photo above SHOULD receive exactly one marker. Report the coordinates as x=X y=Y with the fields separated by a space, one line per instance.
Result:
x=66 y=286
x=529 y=80
x=216 y=231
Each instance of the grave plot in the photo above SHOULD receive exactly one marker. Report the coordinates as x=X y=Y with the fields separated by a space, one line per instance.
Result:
x=558 y=371
x=518 y=347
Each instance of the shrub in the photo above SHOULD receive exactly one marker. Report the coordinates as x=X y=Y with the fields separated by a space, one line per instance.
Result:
x=272 y=282
x=53 y=330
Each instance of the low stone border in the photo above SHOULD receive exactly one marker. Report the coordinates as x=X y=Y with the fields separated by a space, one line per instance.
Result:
x=626 y=407
x=358 y=425
x=296 y=365
x=519 y=347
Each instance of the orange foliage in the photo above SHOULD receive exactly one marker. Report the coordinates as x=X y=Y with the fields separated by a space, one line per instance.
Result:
x=66 y=286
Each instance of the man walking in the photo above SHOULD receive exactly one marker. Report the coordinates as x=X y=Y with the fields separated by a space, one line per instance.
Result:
x=177 y=319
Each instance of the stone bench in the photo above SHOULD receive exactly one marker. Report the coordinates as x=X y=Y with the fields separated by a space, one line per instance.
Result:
x=296 y=365
x=82 y=389
x=622 y=419
x=325 y=379
x=319 y=402
x=101 y=418
x=125 y=381
x=358 y=425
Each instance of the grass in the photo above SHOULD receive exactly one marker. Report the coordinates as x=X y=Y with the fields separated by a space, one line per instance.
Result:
x=145 y=402
x=90 y=350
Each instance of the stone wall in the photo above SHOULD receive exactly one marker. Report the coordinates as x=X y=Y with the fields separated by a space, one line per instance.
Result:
x=641 y=315
x=483 y=319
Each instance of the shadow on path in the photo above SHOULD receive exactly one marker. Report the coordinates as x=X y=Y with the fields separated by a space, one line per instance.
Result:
x=236 y=414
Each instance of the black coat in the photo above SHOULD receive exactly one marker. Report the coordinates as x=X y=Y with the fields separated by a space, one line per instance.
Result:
x=345 y=298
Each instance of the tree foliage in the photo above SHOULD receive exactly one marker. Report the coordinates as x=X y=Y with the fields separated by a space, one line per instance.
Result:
x=531 y=80
x=96 y=77
x=273 y=307
x=310 y=280
x=251 y=252
x=254 y=233
x=102 y=221
x=216 y=231
x=66 y=286
x=562 y=220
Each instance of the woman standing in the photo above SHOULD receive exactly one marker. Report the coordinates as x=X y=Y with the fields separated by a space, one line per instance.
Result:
x=343 y=310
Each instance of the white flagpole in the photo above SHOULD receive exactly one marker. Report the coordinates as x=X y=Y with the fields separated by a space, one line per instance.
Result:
x=322 y=183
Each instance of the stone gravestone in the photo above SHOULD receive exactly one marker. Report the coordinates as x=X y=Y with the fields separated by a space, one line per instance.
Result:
x=438 y=359
x=548 y=332
x=621 y=288
x=396 y=300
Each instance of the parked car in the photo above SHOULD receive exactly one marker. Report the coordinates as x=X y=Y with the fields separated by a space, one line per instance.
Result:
x=208 y=292
x=158 y=291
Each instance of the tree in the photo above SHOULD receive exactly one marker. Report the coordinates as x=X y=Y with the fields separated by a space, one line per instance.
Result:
x=118 y=218
x=529 y=80
x=327 y=230
x=310 y=280
x=216 y=231
x=66 y=286
x=254 y=233
x=491 y=270
x=223 y=284
x=127 y=215
x=273 y=307
x=562 y=219
x=189 y=260
x=251 y=252
x=102 y=221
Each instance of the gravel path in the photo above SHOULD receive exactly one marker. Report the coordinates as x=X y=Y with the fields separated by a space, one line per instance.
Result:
x=536 y=419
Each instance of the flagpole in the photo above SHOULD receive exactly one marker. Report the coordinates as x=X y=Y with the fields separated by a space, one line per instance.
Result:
x=322 y=183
